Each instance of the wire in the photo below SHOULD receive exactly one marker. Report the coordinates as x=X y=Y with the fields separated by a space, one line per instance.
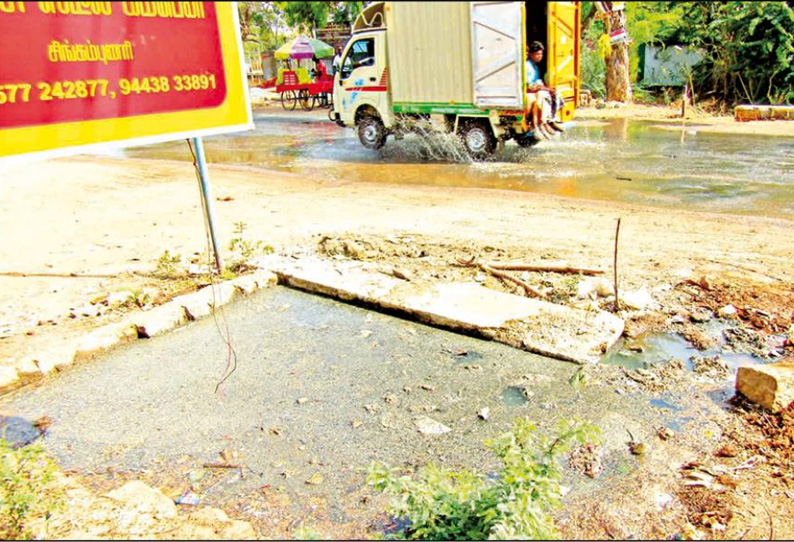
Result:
x=231 y=354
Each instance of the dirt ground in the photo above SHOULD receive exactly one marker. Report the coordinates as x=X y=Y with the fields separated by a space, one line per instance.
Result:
x=74 y=231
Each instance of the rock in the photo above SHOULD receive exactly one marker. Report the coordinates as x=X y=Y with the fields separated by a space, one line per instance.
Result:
x=201 y=303
x=57 y=357
x=712 y=366
x=239 y=530
x=484 y=413
x=591 y=288
x=159 y=320
x=143 y=499
x=701 y=315
x=265 y=279
x=209 y=516
x=727 y=310
x=28 y=370
x=246 y=284
x=638 y=299
x=117 y=299
x=18 y=431
x=429 y=426
x=771 y=386
x=104 y=338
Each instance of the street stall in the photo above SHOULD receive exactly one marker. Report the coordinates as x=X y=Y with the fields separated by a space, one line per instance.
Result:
x=296 y=83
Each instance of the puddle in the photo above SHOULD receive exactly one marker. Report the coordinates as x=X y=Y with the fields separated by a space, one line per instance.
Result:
x=469 y=357
x=514 y=396
x=661 y=403
x=662 y=347
x=619 y=160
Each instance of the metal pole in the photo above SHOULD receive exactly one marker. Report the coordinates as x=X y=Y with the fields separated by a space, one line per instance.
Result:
x=206 y=199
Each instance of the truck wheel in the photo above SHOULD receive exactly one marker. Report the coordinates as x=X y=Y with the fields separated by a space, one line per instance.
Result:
x=478 y=139
x=371 y=132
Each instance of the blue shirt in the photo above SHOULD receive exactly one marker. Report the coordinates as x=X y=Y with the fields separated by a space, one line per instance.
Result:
x=533 y=76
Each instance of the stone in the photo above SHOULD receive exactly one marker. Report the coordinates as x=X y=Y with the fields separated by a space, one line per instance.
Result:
x=196 y=304
x=239 y=530
x=246 y=284
x=103 y=339
x=56 y=358
x=28 y=370
x=265 y=279
x=771 y=385
x=159 y=320
x=209 y=516
x=429 y=426
x=220 y=294
x=143 y=499
x=117 y=299
x=727 y=310
x=591 y=288
x=18 y=431
x=638 y=299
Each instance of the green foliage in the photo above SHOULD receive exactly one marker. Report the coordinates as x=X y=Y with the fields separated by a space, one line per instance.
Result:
x=168 y=266
x=516 y=504
x=306 y=16
x=243 y=250
x=749 y=50
x=748 y=46
x=26 y=488
x=346 y=12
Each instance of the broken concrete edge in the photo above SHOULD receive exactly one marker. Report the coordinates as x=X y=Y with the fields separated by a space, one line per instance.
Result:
x=488 y=333
x=421 y=316
x=166 y=317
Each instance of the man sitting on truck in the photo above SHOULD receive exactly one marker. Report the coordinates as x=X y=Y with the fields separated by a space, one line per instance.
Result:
x=542 y=100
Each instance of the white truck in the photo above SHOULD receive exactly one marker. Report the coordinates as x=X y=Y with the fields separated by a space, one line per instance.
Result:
x=463 y=62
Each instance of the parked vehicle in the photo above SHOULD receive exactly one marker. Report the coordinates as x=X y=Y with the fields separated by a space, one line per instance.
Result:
x=413 y=61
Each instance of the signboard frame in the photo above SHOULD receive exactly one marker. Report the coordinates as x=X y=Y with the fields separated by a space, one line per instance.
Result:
x=30 y=143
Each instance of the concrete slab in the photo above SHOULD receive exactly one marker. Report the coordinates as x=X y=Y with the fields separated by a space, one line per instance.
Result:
x=537 y=326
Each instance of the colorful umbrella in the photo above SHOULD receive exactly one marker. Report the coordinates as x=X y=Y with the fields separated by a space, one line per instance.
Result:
x=303 y=47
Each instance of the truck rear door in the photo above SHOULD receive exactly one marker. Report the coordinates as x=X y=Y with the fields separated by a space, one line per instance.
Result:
x=498 y=54
x=563 y=53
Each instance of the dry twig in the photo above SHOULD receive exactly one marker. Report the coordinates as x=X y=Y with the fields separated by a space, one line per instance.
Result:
x=546 y=268
x=488 y=269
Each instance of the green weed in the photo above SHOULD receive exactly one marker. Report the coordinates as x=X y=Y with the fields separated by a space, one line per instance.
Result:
x=243 y=251
x=515 y=504
x=27 y=490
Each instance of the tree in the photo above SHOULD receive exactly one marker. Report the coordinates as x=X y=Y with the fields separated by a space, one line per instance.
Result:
x=618 y=83
x=307 y=17
x=261 y=22
x=748 y=48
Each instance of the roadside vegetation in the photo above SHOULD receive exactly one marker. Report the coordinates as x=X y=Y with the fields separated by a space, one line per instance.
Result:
x=513 y=504
x=27 y=488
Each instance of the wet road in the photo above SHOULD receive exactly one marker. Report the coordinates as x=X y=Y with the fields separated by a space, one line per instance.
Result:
x=151 y=404
x=620 y=160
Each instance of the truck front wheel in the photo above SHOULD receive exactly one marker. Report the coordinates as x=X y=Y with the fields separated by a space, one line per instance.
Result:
x=478 y=139
x=371 y=132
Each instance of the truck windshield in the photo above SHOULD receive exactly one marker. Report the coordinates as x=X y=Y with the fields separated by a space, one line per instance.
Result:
x=361 y=53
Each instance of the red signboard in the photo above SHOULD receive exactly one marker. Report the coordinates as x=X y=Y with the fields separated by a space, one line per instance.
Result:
x=77 y=61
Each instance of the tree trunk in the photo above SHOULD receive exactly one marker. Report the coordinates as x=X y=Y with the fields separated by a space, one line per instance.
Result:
x=618 y=78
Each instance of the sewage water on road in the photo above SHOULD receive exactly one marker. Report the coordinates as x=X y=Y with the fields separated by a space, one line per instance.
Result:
x=644 y=162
